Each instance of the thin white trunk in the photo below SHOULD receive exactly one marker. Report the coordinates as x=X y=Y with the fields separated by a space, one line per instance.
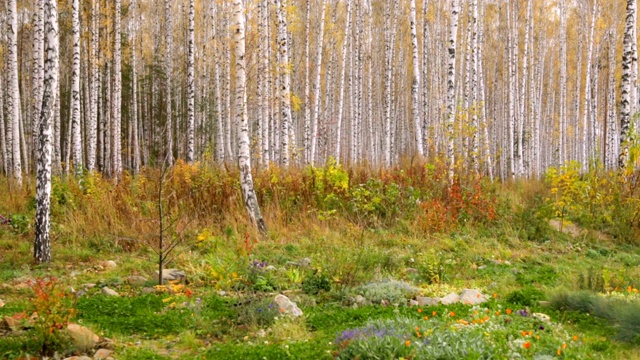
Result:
x=168 y=63
x=317 y=87
x=611 y=126
x=75 y=90
x=191 y=107
x=587 y=94
x=284 y=73
x=13 y=91
x=244 y=159
x=343 y=71
x=307 y=87
x=42 y=244
x=415 y=82
x=38 y=70
x=451 y=87
x=563 y=83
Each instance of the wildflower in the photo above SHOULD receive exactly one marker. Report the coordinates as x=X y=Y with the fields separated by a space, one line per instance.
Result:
x=419 y=310
x=282 y=310
x=575 y=337
x=452 y=314
x=564 y=345
x=498 y=312
x=508 y=311
x=434 y=313
x=426 y=317
x=537 y=337
x=524 y=333
x=629 y=288
x=495 y=296
x=417 y=328
x=527 y=345
x=559 y=352
x=407 y=343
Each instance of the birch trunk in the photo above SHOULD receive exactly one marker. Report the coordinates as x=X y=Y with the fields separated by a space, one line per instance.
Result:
x=37 y=77
x=415 y=82
x=168 y=15
x=451 y=87
x=284 y=73
x=92 y=131
x=13 y=91
x=42 y=244
x=587 y=93
x=629 y=58
x=343 y=71
x=317 y=87
x=611 y=126
x=191 y=116
x=563 y=83
x=75 y=90
x=244 y=160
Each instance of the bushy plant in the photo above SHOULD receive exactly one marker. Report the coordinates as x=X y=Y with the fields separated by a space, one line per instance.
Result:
x=392 y=291
x=53 y=310
x=315 y=283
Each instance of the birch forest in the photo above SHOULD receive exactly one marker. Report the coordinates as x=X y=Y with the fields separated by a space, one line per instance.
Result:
x=503 y=88
x=319 y=179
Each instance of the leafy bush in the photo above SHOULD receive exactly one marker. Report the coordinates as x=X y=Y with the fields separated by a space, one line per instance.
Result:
x=316 y=282
x=393 y=291
x=525 y=297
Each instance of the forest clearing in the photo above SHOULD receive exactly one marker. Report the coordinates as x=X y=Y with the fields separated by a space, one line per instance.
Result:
x=319 y=179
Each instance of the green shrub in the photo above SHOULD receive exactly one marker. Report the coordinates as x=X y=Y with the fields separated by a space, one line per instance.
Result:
x=393 y=291
x=315 y=283
x=525 y=297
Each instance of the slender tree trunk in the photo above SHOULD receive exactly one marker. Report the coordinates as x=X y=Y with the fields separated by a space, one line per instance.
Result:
x=285 y=80
x=13 y=91
x=5 y=152
x=317 y=87
x=168 y=15
x=37 y=67
x=190 y=85
x=75 y=90
x=629 y=58
x=42 y=245
x=343 y=72
x=563 y=83
x=451 y=86
x=244 y=160
x=587 y=93
x=307 y=86
x=611 y=126
x=415 y=82
x=134 y=89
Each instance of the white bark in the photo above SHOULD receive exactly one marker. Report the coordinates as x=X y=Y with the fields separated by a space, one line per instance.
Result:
x=42 y=245
x=451 y=80
x=415 y=82
x=191 y=116
x=629 y=58
x=343 y=71
x=611 y=125
x=244 y=160
x=168 y=15
x=563 y=83
x=587 y=93
x=317 y=87
x=75 y=90
x=284 y=73
x=13 y=91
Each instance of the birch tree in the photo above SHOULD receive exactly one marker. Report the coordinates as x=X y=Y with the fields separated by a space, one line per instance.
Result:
x=563 y=82
x=285 y=83
x=629 y=58
x=451 y=86
x=317 y=86
x=75 y=90
x=168 y=15
x=116 y=102
x=343 y=72
x=415 y=82
x=244 y=160
x=190 y=85
x=13 y=91
x=42 y=244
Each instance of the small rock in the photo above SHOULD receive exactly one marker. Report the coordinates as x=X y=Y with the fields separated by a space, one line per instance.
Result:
x=83 y=338
x=80 y=293
x=472 y=297
x=148 y=290
x=482 y=267
x=543 y=317
x=88 y=285
x=507 y=262
x=109 y=292
x=452 y=298
x=306 y=262
x=98 y=267
x=360 y=300
x=172 y=275
x=106 y=343
x=222 y=293
x=270 y=268
x=110 y=264
x=413 y=303
x=102 y=354
x=426 y=301
x=261 y=333
x=385 y=302
x=411 y=270
x=287 y=306
x=474 y=266
x=12 y=323
x=136 y=280
x=78 y=358
x=1 y=303
x=497 y=262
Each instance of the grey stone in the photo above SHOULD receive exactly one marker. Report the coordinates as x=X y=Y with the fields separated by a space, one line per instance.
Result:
x=287 y=306
x=148 y=290
x=261 y=333
x=360 y=300
x=88 y=285
x=413 y=303
x=80 y=293
x=427 y=301
x=83 y=357
x=172 y=275
x=110 y=264
x=306 y=262
x=136 y=280
x=482 y=267
x=109 y=292
x=472 y=297
x=451 y=298
x=83 y=338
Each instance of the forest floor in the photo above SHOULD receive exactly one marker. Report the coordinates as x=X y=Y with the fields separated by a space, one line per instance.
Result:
x=356 y=286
